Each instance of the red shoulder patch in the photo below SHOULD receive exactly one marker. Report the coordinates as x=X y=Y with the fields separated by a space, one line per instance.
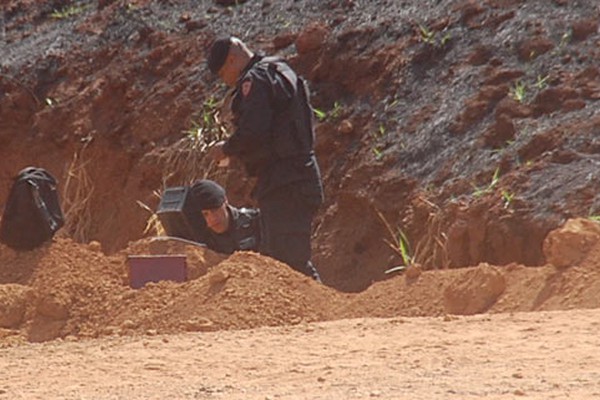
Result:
x=246 y=87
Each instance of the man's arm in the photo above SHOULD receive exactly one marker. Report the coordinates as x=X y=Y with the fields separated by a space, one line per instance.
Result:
x=254 y=117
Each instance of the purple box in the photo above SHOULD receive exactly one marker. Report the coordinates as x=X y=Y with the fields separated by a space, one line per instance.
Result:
x=155 y=268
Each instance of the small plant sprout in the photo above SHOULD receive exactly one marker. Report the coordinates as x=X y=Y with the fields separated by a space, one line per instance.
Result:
x=374 y=136
x=432 y=38
x=334 y=113
x=378 y=153
x=283 y=22
x=336 y=110
x=209 y=110
x=321 y=115
x=379 y=133
x=518 y=91
x=508 y=198
x=195 y=132
x=399 y=244
x=67 y=12
x=541 y=82
x=391 y=105
x=503 y=147
x=427 y=36
x=593 y=216
x=481 y=191
x=532 y=54
x=565 y=38
x=445 y=39
x=402 y=247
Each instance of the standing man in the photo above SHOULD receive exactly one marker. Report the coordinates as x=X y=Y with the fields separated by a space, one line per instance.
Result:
x=274 y=139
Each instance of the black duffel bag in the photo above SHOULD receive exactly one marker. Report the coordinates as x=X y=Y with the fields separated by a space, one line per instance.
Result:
x=32 y=213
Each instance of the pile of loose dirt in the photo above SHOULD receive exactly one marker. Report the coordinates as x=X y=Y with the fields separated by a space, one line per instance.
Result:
x=70 y=289
x=66 y=289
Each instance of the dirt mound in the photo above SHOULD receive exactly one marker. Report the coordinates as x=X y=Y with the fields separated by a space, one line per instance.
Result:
x=70 y=289
x=66 y=289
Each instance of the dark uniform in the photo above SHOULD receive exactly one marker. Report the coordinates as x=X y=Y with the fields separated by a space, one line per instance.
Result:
x=188 y=222
x=274 y=139
x=243 y=232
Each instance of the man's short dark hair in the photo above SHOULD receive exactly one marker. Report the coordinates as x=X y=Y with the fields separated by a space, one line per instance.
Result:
x=207 y=194
x=218 y=54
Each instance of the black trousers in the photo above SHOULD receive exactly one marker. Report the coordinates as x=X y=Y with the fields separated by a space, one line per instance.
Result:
x=286 y=218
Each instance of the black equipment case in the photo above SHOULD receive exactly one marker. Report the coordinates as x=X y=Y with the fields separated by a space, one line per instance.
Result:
x=179 y=216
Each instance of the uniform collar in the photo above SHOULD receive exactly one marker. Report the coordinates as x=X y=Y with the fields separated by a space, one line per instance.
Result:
x=255 y=58
x=233 y=216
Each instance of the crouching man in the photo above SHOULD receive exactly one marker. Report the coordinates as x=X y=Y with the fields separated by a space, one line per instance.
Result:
x=227 y=228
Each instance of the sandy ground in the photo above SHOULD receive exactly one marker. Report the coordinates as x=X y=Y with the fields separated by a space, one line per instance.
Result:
x=542 y=355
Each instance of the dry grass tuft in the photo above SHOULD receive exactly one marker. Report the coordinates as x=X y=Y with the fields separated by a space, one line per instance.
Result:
x=153 y=224
x=433 y=245
x=76 y=195
x=186 y=158
x=430 y=251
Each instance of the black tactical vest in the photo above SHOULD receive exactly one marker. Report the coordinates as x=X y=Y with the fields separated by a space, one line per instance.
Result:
x=293 y=133
x=244 y=234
